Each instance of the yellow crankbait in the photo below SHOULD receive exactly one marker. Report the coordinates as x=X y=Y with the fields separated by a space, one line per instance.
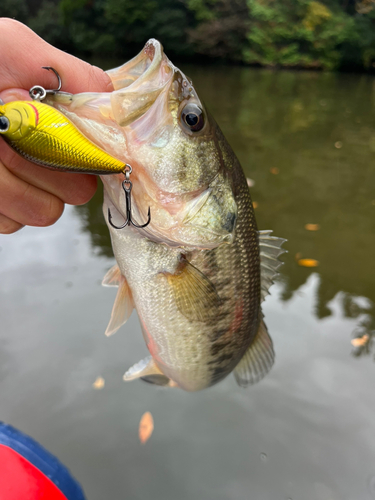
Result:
x=43 y=135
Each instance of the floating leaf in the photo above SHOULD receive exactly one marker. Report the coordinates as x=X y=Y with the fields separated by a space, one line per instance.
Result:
x=312 y=227
x=146 y=427
x=274 y=170
x=255 y=204
x=99 y=383
x=308 y=262
x=250 y=182
x=360 y=341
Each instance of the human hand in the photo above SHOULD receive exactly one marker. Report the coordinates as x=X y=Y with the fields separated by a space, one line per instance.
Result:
x=29 y=194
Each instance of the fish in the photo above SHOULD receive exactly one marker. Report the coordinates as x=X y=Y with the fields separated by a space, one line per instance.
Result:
x=198 y=272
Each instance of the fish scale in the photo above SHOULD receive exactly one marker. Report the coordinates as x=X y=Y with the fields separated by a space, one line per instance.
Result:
x=192 y=353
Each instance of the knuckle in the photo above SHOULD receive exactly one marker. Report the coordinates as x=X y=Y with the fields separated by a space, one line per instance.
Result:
x=9 y=226
x=13 y=27
x=82 y=192
x=50 y=213
x=44 y=209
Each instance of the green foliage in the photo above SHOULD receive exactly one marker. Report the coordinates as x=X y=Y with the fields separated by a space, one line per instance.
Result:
x=321 y=34
x=17 y=9
x=310 y=37
x=222 y=34
x=48 y=23
x=202 y=9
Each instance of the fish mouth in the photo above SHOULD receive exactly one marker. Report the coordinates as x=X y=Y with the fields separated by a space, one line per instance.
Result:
x=139 y=82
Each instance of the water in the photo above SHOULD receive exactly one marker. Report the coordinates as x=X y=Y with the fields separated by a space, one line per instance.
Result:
x=307 y=430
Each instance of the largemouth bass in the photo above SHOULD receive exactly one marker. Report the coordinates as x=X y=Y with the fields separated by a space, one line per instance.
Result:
x=197 y=274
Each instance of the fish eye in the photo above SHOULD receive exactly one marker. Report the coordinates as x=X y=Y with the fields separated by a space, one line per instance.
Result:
x=192 y=116
x=4 y=124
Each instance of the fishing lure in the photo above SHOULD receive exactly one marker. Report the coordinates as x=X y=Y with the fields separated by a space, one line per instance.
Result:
x=43 y=135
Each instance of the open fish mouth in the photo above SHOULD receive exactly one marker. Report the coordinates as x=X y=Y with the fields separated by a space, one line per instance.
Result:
x=139 y=82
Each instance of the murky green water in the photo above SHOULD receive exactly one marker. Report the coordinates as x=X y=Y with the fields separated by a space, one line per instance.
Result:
x=307 y=431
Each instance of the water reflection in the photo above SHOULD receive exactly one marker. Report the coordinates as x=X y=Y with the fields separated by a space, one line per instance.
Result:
x=308 y=141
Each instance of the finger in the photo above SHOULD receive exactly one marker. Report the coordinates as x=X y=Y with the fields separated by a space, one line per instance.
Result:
x=8 y=226
x=18 y=69
x=74 y=189
x=26 y=204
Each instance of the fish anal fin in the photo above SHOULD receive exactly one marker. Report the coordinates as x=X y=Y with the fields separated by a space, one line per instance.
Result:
x=148 y=371
x=112 y=277
x=195 y=295
x=257 y=360
x=270 y=251
x=122 y=308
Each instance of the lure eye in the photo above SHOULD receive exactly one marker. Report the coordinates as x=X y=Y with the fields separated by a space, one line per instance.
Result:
x=4 y=124
x=192 y=117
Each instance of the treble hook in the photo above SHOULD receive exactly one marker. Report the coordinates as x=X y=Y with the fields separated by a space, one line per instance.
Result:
x=39 y=93
x=127 y=182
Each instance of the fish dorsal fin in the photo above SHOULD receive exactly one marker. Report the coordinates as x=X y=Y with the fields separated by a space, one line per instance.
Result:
x=112 y=277
x=147 y=370
x=122 y=308
x=194 y=293
x=257 y=360
x=270 y=251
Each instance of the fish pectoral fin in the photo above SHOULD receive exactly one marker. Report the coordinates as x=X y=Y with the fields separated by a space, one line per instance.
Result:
x=147 y=370
x=122 y=308
x=257 y=360
x=193 y=206
x=270 y=251
x=112 y=277
x=195 y=295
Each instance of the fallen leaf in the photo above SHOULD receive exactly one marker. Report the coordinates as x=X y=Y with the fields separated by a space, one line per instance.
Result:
x=312 y=227
x=338 y=144
x=99 y=383
x=360 y=341
x=250 y=182
x=146 y=427
x=298 y=255
x=308 y=262
x=274 y=170
x=255 y=204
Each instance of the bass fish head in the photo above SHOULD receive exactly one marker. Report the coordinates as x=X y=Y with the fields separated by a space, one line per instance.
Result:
x=155 y=121
x=168 y=129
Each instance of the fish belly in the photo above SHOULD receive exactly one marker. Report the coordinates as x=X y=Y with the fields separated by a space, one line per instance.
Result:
x=195 y=354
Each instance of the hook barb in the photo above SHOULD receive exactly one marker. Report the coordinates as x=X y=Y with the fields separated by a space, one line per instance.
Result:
x=129 y=220
x=48 y=68
x=126 y=223
x=39 y=93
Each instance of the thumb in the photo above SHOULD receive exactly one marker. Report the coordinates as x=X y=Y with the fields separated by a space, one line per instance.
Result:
x=23 y=53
